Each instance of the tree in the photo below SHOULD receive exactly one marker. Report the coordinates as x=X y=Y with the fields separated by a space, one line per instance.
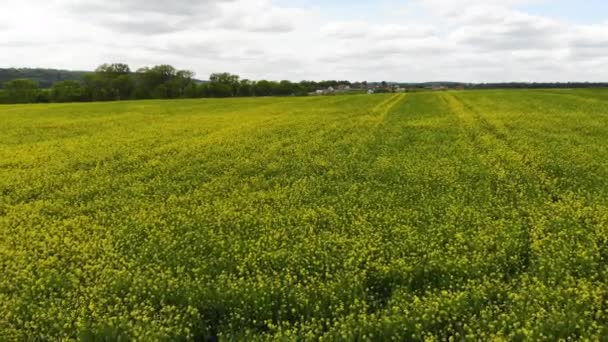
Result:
x=228 y=79
x=225 y=77
x=143 y=83
x=161 y=92
x=123 y=87
x=299 y=90
x=245 y=88
x=308 y=86
x=94 y=88
x=217 y=89
x=264 y=88
x=21 y=91
x=114 y=69
x=192 y=91
x=45 y=77
x=180 y=82
x=284 y=88
x=162 y=81
x=44 y=96
x=109 y=82
x=66 y=91
x=203 y=90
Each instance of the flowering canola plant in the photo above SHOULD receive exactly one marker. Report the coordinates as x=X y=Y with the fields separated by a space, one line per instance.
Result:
x=472 y=215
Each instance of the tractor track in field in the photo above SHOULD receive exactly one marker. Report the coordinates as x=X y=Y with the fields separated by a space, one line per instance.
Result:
x=482 y=134
x=499 y=154
x=375 y=121
x=524 y=171
x=384 y=107
x=381 y=110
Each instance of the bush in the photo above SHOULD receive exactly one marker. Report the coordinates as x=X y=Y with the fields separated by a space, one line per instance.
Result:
x=21 y=91
x=67 y=91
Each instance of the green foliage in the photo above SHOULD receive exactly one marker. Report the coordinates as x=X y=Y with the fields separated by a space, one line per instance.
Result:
x=44 y=77
x=381 y=90
x=110 y=82
x=264 y=88
x=113 y=70
x=165 y=82
x=285 y=88
x=245 y=88
x=22 y=91
x=428 y=216
x=223 y=85
x=123 y=87
x=217 y=89
x=115 y=82
x=192 y=91
x=66 y=91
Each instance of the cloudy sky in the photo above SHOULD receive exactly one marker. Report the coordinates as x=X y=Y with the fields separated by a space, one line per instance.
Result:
x=392 y=40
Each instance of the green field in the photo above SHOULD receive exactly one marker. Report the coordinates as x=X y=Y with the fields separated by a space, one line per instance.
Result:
x=474 y=214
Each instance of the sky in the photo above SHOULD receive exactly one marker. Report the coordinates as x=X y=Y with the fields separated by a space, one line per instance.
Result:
x=357 y=40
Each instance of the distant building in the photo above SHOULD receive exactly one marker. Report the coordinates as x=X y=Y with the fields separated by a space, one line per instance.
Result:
x=329 y=90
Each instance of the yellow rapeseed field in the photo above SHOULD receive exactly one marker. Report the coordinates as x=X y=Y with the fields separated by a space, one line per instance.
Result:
x=479 y=215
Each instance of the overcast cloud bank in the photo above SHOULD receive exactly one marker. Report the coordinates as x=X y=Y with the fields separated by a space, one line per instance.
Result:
x=422 y=40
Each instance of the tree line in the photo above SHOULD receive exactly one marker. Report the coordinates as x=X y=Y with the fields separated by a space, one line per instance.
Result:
x=45 y=77
x=116 y=82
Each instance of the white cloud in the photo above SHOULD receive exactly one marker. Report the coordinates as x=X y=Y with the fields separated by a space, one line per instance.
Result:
x=257 y=16
x=458 y=8
x=157 y=17
x=359 y=29
x=136 y=7
x=466 y=40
